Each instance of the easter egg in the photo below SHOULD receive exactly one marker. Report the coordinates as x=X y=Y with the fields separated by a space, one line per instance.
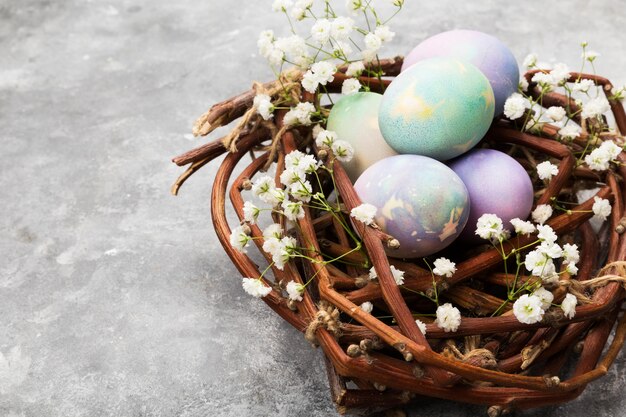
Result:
x=487 y=52
x=439 y=107
x=496 y=184
x=355 y=119
x=420 y=201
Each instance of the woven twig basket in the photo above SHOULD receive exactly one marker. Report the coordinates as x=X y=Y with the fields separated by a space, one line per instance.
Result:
x=379 y=363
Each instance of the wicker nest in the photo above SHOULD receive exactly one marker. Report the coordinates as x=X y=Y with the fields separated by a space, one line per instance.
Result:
x=379 y=363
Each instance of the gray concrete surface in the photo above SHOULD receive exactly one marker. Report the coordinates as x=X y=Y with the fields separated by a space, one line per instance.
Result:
x=116 y=298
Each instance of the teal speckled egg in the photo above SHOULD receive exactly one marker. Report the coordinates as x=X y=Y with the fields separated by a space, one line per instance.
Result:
x=355 y=119
x=439 y=107
x=420 y=201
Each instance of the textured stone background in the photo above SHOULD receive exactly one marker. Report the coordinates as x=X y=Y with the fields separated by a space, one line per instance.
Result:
x=116 y=298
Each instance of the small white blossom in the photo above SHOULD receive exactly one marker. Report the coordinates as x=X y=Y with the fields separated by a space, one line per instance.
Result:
x=364 y=213
x=272 y=246
x=263 y=105
x=570 y=254
x=300 y=114
x=571 y=269
x=599 y=159
x=545 y=296
x=570 y=131
x=239 y=238
x=298 y=13
x=523 y=84
x=546 y=170
x=295 y=290
x=539 y=264
x=546 y=234
x=350 y=86
x=325 y=138
x=301 y=190
x=265 y=43
x=448 y=318
x=421 y=325
x=611 y=149
x=299 y=161
x=590 y=55
x=255 y=287
x=444 y=267
x=398 y=275
x=515 y=106
x=281 y=5
x=583 y=85
x=271 y=238
x=309 y=82
x=595 y=108
x=355 y=6
x=542 y=213
x=285 y=251
x=489 y=226
x=601 y=208
x=544 y=80
x=556 y=113
x=264 y=188
x=373 y=42
x=342 y=150
x=292 y=209
x=569 y=305
x=367 y=307
x=250 y=212
x=559 y=74
x=384 y=34
x=341 y=28
x=321 y=30
x=324 y=71
x=522 y=227
x=550 y=249
x=291 y=175
x=355 y=69
x=527 y=309
x=530 y=60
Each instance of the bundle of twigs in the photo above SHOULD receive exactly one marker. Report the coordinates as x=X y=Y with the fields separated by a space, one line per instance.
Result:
x=378 y=361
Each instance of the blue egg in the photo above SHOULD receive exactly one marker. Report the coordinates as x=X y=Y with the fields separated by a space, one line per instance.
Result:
x=439 y=107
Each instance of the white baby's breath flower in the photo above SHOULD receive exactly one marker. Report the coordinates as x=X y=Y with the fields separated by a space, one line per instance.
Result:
x=542 y=213
x=448 y=317
x=292 y=209
x=590 y=55
x=324 y=71
x=342 y=150
x=601 y=208
x=291 y=175
x=514 y=106
x=355 y=69
x=559 y=74
x=350 y=86
x=583 y=85
x=275 y=56
x=384 y=34
x=355 y=6
x=489 y=226
x=522 y=227
x=550 y=249
x=310 y=82
x=264 y=188
x=527 y=309
x=373 y=42
x=571 y=269
x=285 y=251
x=546 y=233
x=611 y=149
x=250 y=212
x=274 y=230
x=398 y=275
x=263 y=105
x=301 y=190
x=255 y=287
x=271 y=239
x=570 y=131
x=569 y=306
x=240 y=239
x=530 y=60
x=595 y=107
x=295 y=290
x=523 y=84
x=281 y=5
x=342 y=48
x=556 y=113
x=570 y=254
x=444 y=267
x=599 y=159
x=300 y=114
x=545 y=296
x=546 y=170
x=545 y=80
x=367 y=307
x=265 y=43
x=421 y=325
x=325 y=138
x=341 y=28
x=298 y=13
x=320 y=31
x=299 y=161
x=364 y=213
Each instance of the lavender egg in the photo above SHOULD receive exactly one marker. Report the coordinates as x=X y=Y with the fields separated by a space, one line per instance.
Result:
x=355 y=119
x=487 y=52
x=496 y=184
x=420 y=201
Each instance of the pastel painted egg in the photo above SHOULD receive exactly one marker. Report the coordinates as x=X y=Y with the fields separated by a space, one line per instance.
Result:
x=487 y=52
x=420 y=201
x=355 y=119
x=439 y=107
x=496 y=184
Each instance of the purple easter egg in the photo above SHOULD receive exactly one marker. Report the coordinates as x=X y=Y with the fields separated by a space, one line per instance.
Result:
x=496 y=184
x=486 y=52
x=419 y=201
